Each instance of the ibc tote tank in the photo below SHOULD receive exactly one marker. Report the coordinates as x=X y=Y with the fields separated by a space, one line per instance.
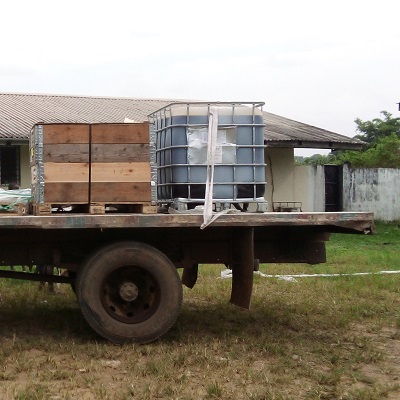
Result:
x=181 y=132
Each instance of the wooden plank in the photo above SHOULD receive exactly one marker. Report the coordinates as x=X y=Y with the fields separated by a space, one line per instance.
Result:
x=66 y=192
x=121 y=133
x=356 y=222
x=66 y=153
x=120 y=152
x=121 y=172
x=120 y=192
x=65 y=133
x=66 y=172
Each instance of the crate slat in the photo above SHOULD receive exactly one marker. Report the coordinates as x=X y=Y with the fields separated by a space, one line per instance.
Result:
x=66 y=172
x=114 y=192
x=66 y=192
x=121 y=172
x=66 y=153
x=120 y=152
x=120 y=133
x=65 y=133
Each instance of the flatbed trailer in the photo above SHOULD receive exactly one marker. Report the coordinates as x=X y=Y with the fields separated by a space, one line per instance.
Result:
x=123 y=267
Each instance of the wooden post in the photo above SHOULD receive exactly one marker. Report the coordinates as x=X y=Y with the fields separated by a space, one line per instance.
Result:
x=242 y=266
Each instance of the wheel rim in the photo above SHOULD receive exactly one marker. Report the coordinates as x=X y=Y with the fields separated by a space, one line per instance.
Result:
x=130 y=294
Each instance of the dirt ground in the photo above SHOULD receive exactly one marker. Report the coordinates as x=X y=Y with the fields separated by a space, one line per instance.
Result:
x=139 y=372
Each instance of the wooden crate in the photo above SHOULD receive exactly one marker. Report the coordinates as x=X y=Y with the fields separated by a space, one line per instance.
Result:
x=98 y=163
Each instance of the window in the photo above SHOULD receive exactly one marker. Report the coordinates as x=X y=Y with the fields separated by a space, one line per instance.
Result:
x=9 y=165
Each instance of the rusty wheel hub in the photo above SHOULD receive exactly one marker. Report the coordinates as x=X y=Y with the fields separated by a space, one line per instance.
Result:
x=130 y=294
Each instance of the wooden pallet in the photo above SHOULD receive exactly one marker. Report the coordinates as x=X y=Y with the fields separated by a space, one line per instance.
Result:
x=94 y=208
x=18 y=209
x=41 y=209
x=137 y=208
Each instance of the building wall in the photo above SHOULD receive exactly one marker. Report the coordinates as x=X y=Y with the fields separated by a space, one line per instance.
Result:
x=364 y=190
x=287 y=182
x=309 y=187
x=279 y=175
x=372 y=189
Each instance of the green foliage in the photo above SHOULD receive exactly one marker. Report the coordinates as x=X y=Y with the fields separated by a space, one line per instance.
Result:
x=384 y=154
x=382 y=150
x=319 y=159
x=372 y=131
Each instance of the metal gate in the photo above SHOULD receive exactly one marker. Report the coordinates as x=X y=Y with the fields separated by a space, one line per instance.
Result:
x=333 y=187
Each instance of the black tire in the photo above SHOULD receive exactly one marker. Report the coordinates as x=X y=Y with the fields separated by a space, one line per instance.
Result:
x=129 y=291
x=72 y=275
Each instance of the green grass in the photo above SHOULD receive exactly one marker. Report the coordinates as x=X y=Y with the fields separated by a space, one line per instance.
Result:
x=316 y=338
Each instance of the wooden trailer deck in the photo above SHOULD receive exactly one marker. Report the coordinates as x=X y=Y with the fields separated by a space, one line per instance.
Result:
x=355 y=222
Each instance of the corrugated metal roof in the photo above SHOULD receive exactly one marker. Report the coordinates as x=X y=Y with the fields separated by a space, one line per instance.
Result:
x=19 y=112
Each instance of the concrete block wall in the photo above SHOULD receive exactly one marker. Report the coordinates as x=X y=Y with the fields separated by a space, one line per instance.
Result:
x=372 y=189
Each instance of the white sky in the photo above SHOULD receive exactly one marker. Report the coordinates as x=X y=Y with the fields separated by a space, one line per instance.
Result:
x=318 y=62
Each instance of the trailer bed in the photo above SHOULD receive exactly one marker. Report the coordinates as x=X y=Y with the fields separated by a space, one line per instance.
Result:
x=356 y=222
x=123 y=266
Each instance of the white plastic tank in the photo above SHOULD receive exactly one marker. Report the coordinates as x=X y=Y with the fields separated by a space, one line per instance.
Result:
x=181 y=131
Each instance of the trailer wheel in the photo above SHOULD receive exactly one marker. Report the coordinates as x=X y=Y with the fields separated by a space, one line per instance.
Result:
x=129 y=291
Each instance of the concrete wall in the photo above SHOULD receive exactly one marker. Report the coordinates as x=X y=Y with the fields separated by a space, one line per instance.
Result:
x=372 y=189
x=287 y=182
x=279 y=175
x=309 y=187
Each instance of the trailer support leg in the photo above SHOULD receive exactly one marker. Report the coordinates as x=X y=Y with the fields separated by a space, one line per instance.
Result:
x=242 y=266
x=189 y=275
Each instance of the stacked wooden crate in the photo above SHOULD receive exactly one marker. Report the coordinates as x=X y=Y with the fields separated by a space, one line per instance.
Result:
x=95 y=166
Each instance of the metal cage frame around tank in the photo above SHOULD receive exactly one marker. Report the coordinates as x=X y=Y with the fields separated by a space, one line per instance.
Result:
x=161 y=121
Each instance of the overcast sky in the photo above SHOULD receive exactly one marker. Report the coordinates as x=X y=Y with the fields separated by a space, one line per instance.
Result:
x=318 y=62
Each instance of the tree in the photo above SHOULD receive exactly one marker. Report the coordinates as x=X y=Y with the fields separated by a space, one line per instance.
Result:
x=382 y=150
x=378 y=128
x=318 y=159
x=385 y=154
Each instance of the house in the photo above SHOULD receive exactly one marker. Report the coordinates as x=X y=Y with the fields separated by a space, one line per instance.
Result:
x=19 y=112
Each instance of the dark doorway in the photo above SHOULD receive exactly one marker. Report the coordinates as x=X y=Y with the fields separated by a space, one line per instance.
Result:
x=9 y=164
x=333 y=187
